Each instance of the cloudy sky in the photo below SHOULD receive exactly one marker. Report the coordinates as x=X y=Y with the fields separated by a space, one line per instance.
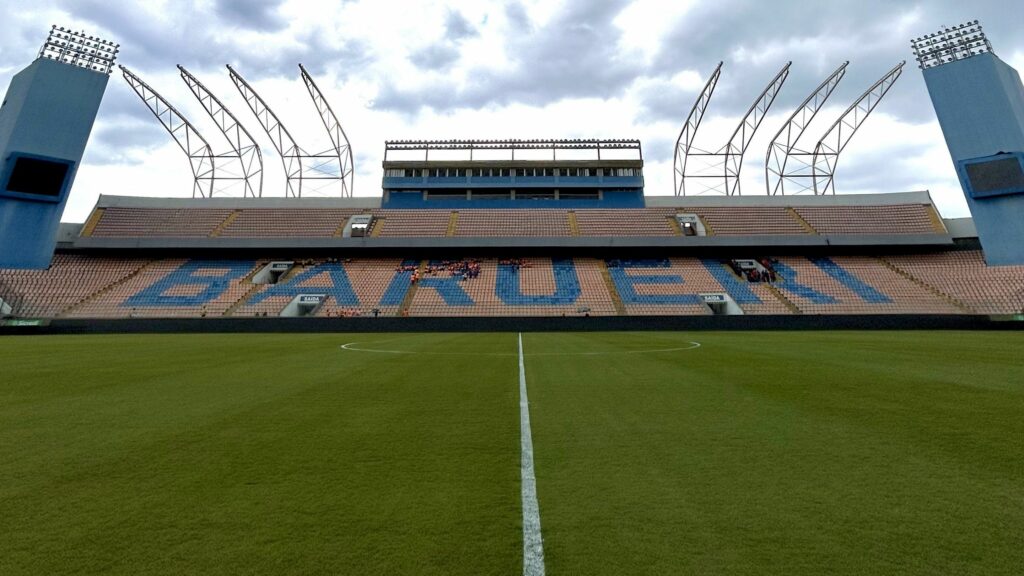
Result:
x=511 y=69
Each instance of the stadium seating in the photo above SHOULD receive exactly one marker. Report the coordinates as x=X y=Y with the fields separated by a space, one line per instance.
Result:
x=512 y=223
x=159 y=222
x=901 y=219
x=291 y=222
x=69 y=280
x=119 y=287
x=963 y=277
x=633 y=222
x=748 y=221
x=121 y=222
x=398 y=223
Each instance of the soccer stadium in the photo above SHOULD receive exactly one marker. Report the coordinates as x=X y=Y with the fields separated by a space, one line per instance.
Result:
x=516 y=357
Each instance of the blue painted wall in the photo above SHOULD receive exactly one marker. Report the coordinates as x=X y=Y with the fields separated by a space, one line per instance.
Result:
x=48 y=113
x=979 y=102
x=414 y=200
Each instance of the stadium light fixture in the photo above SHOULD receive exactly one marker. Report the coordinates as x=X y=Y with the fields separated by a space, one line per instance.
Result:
x=950 y=44
x=78 y=49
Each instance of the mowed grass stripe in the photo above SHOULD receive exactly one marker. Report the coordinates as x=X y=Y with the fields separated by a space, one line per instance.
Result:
x=256 y=454
x=781 y=453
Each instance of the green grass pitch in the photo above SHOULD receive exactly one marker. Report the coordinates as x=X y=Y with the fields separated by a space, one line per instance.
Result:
x=756 y=453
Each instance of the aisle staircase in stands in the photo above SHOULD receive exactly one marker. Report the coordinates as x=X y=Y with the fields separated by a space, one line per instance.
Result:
x=403 y=309
x=939 y=293
x=216 y=232
x=620 y=308
x=67 y=309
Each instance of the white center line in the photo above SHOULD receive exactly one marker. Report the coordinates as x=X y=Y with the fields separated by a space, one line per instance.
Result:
x=533 y=545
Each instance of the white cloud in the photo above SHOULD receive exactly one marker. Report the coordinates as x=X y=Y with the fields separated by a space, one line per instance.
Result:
x=502 y=68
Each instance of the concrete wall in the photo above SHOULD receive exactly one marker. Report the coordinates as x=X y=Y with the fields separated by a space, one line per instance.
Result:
x=979 y=102
x=48 y=113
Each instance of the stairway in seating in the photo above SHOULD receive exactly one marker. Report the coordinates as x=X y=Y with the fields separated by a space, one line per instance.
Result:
x=227 y=222
x=574 y=225
x=708 y=230
x=782 y=298
x=620 y=308
x=771 y=288
x=256 y=287
x=955 y=302
x=67 y=309
x=453 y=223
x=260 y=264
x=94 y=220
x=674 y=224
x=933 y=216
x=403 y=309
x=377 y=226
x=800 y=220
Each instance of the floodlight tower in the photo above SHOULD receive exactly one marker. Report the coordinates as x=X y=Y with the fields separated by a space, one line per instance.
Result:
x=723 y=166
x=979 y=101
x=45 y=121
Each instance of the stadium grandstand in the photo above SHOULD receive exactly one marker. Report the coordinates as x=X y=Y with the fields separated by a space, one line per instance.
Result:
x=480 y=228
x=878 y=254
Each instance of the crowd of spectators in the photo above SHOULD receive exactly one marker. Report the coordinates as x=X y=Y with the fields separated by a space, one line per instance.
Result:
x=764 y=273
x=462 y=269
x=515 y=263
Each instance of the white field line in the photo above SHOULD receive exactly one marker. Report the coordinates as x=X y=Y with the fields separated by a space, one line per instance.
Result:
x=352 y=347
x=533 y=545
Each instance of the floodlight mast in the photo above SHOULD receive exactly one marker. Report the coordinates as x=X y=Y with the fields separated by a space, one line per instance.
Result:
x=785 y=141
x=78 y=49
x=740 y=140
x=245 y=148
x=284 y=144
x=685 y=141
x=340 y=142
x=198 y=150
x=950 y=44
x=826 y=153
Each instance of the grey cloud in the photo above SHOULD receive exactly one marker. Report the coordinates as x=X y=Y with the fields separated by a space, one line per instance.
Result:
x=576 y=54
x=435 y=57
x=123 y=140
x=198 y=42
x=457 y=27
x=817 y=39
x=443 y=54
x=518 y=17
x=253 y=14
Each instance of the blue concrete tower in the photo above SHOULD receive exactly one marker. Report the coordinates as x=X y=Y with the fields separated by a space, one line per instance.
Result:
x=979 y=101
x=45 y=121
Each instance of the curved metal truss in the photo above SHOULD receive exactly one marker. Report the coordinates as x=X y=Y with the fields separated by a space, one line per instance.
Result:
x=246 y=150
x=200 y=155
x=815 y=171
x=722 y=167
x=303 y=170
x=290 y=153
x=342 y=147
x=685 y=141
x=826 y=153
x=785 y=141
